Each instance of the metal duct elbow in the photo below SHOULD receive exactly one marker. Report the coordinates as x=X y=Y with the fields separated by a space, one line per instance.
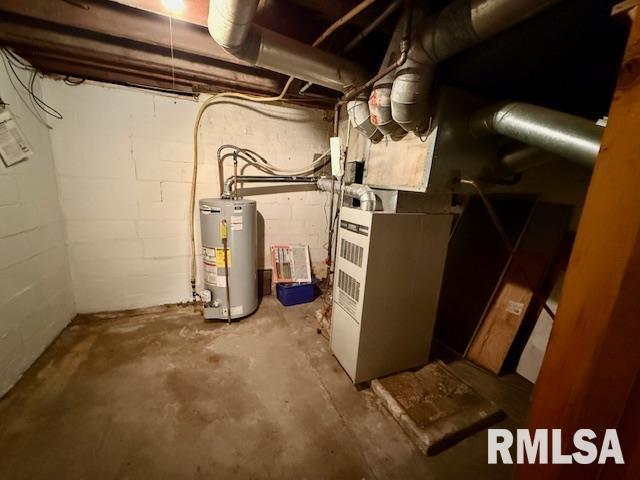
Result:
x=410 y=94
x=458 y=26
x=230 y=25
x=230 y=22
x=380 y=111
x=568 y=136
x=358 y=111
x=363 y=193
x=380 y=98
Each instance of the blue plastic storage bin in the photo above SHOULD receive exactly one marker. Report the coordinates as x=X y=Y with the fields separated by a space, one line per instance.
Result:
x=296 y=293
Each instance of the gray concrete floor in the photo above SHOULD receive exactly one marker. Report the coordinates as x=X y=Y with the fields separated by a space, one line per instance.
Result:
x=163 y=395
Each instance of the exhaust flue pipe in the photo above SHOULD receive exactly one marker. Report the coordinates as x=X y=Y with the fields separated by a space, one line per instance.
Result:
x=231 y=25
x=568 y=136
x=363 y=193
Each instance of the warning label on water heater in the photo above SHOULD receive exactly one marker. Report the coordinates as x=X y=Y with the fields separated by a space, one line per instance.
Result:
x=236 y=222
x=220 y=257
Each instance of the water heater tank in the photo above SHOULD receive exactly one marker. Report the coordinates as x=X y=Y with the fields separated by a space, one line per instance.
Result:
x=238 y=218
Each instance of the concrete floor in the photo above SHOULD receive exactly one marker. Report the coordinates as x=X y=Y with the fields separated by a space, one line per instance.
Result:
x=165 y=396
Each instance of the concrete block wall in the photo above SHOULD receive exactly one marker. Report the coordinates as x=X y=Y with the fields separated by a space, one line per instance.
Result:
x=36 y=295
x=124 y=163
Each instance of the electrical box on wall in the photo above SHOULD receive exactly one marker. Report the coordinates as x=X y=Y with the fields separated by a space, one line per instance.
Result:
x=387 y=281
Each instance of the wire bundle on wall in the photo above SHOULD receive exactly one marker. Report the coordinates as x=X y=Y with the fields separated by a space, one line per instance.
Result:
x=12 y=62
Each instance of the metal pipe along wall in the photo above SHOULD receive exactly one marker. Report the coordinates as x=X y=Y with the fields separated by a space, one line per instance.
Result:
x=363 y=193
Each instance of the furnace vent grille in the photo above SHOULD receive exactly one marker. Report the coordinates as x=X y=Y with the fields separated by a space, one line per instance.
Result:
x=351 y=252
x=349 y=285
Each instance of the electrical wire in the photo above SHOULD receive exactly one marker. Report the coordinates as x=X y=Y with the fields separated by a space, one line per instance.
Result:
x=19 y=60
x=12 y=62
x=48 y=109
x=31 y=108
x=22 y=65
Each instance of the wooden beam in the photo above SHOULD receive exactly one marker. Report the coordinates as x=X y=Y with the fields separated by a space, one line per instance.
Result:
x=63 y=45
x=627 y=7
x=590 y=372
x=115 y=41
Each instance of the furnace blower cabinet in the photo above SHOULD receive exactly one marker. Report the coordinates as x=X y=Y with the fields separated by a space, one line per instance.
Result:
x=229 y=257
x=387 y=281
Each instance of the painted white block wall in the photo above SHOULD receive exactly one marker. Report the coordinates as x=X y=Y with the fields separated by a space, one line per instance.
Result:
x=124 y=160
x=36 y=296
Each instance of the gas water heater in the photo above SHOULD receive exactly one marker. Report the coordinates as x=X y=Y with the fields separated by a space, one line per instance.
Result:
x=230 y=249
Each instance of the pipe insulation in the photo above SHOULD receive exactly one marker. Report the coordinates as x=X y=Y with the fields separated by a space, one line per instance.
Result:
x=458 y=26
x=363 y=193
x=231 y=25
x=568 y=136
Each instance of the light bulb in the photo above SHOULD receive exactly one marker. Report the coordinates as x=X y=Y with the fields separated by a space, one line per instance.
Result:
x=174 y=6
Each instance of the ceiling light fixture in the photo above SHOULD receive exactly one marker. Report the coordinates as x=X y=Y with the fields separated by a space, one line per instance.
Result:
x=174 y=6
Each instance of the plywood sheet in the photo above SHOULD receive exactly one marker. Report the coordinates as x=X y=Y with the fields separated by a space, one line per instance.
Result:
x=401 y=165
x=496 y=334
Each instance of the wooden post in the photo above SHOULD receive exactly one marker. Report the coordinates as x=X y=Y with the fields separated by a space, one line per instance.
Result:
x=590 y=375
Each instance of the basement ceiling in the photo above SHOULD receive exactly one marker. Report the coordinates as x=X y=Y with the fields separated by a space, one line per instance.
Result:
x=570 y=61
x=131 y=42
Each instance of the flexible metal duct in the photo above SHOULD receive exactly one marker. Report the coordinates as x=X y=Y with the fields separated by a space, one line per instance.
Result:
x=566 y=135
x=460 y=25
x=231 y=25
x=363 y=193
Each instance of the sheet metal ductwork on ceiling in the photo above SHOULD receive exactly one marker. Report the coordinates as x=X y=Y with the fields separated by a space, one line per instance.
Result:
x=399 y=101
x=568 y=136
x=231 y=25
